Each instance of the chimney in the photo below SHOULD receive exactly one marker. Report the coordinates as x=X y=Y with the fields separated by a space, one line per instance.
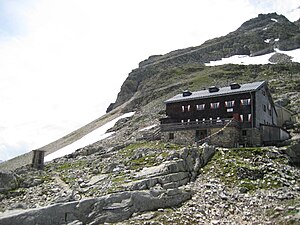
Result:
x=234 y=86
x=213 y=89
x=186 y=93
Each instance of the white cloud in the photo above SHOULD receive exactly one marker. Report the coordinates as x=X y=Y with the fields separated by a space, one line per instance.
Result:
x=73 y=56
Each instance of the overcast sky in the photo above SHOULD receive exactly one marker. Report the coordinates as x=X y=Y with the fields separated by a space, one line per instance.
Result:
x=63 y=61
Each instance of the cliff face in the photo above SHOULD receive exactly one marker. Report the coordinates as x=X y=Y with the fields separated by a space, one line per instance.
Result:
x=255 y=37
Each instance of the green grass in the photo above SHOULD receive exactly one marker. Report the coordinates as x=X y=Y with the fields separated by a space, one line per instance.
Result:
x=226 y=166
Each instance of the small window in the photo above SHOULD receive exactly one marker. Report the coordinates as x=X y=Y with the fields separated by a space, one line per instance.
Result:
x=200 y=107
x=221 y=132
x=244 y=133
x=171 y=136
x=230 y=110
x=265 y=108
x=215 y=105
x=229 y=104
x=245 y=102
x=182 y=108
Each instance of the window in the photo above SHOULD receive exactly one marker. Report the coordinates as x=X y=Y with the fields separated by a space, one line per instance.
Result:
x=229 y=104
x=265 y=108
x=246 y=118
x=244 y=133
x=230 y=110
x=245 y=102
x=200 y=107
x=215 y=105
x=221 y=132
x=171 y=136
x=185 y=108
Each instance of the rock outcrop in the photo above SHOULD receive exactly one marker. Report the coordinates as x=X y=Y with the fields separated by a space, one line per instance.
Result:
x=8 y=181
x=257 y=36
x=293 y=152
x=155 y=187
x=110 y=208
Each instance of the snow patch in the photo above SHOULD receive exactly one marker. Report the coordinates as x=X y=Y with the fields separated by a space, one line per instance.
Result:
x=277 y=39
x=267 y=40
x=252 y=60
x=148 y=128
x=90 y=138
x=274 y=20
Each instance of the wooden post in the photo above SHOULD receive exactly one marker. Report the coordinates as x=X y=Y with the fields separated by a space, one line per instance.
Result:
x=38 y=159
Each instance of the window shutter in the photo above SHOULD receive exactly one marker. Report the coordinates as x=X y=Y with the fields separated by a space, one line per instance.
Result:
x=242 y=118
x=249 y=117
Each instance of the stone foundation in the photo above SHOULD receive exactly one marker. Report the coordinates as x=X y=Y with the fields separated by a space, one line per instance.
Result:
x=183 y=137
x=253 y=137
x=229 y=137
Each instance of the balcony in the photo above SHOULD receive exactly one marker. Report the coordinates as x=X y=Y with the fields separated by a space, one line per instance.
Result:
x=168 y=125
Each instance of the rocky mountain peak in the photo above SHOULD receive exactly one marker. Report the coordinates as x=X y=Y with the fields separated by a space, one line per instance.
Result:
x=263 y=21
x=257 y=36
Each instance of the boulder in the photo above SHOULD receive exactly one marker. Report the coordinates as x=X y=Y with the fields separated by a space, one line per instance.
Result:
x=110 y=208
x=294 y=152
x=8 y=181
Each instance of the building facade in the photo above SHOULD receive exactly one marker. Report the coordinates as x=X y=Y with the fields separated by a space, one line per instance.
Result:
x=228 y=116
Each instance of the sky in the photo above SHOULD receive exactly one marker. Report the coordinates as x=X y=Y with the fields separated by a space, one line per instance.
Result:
x=63 y=61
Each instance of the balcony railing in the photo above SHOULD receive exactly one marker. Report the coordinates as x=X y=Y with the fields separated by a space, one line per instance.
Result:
x=173 y=126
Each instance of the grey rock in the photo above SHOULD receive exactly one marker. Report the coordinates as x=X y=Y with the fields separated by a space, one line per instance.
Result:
x=294 y=152
x=8 y=181
x=110 y=208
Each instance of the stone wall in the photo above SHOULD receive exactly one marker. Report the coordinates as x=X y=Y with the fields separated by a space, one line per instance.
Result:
x=252 y=138
x=229 y=137
x=183 y=137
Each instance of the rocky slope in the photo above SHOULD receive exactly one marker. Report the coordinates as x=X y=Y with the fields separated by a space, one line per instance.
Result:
x=255 y=37
x=135 y=178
